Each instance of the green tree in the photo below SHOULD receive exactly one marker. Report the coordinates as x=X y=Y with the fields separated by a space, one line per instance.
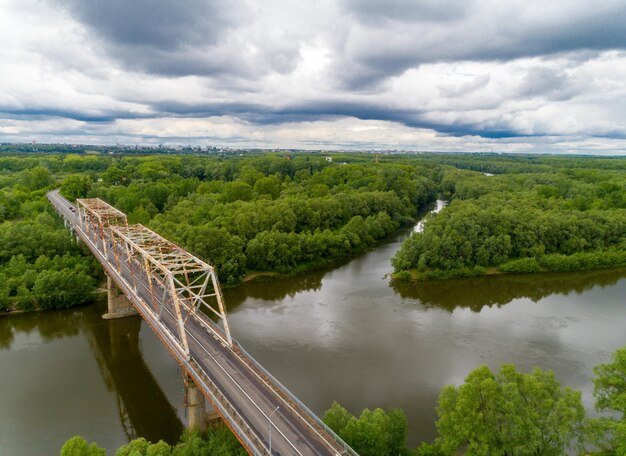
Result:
x=62 y=289
x=141 y=447
x=509 y=413
x=610 y=393
x=75 y=186
x=221 y=249
x=38 y=177
x=374 y=433
x=216 y=442
x=115 y=176
x=269 y=185
x=139 y=215
x=238 y=190
x=78 y=446
x=337 y=417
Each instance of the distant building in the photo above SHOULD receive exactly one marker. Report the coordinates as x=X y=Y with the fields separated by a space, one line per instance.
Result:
x=329 y=159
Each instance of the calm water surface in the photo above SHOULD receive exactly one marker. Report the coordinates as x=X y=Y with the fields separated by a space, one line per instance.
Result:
x=342 y=334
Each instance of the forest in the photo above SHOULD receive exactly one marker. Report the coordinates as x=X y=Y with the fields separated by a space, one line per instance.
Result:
x=41 y=266
x=262 y=213
x=250 y=214
x=521 y=215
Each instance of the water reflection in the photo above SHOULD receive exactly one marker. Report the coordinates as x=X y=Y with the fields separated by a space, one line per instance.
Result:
x=48 y=325
x=275 y=289
x=143 y=407
x=87 y=377
x=347 y=335
x=476 y=293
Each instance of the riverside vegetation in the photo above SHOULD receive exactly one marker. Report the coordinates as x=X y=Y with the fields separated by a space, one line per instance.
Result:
x=272 y=213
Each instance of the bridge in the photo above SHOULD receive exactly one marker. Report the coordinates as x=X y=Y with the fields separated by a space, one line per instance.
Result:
x=179 y=296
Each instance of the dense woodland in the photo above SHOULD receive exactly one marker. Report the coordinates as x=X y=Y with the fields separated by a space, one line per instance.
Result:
x=285 y=213
x=244 y=214
x=41 y=266
x=536 y=214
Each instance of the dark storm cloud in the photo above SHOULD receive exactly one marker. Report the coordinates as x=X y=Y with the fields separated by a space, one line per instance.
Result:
x=381 y=39
x=305 y=112
x=375 y=11
x=397 y=36
x=52 y=113
x=329 y=110
x=164 y=24
x=594 y=31
x=161 y=36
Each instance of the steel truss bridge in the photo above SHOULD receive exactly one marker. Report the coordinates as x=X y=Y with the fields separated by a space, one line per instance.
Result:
x=176 y=293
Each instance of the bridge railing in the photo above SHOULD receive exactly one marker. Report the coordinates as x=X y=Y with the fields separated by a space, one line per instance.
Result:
x=346 y=448
x=227 y=411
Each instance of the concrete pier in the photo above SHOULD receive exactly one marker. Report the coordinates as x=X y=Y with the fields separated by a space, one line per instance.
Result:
x=213 y=419
x=196 y=410
x=119 y=305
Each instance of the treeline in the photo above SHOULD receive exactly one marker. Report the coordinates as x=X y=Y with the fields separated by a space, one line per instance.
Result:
x=269 y=212
x=565 y=220
x=497 y=291
x=524 y=163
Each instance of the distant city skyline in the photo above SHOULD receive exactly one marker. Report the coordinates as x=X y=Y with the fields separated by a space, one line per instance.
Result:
x=425 y=75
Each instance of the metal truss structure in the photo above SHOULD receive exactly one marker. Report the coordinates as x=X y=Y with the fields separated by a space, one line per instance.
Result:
x=170 y=273
x=95 y=216
x=191 y=283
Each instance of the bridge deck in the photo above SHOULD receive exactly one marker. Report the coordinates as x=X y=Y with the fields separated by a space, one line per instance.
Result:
x=250 y=401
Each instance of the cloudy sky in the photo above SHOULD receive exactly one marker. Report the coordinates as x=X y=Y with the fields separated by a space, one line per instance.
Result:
x=466 y=75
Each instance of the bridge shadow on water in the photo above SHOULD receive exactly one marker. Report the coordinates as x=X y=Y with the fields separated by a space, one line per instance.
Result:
x=143 y=408
x=476 y=293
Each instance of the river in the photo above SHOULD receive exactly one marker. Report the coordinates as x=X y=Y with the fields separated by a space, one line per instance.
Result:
x=343 y=334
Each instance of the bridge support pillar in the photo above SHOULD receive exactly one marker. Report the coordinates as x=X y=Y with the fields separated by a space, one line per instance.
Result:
x=213 y=418
x=196 y=410
x=119 y=305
